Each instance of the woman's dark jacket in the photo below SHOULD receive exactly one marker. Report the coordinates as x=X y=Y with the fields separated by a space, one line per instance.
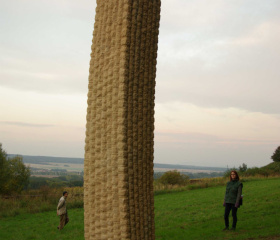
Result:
x=233 y=192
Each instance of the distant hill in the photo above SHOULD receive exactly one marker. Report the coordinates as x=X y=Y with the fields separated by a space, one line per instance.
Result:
x=274 y=166
x=269 y=170
x=177 y=166
x=47 y=159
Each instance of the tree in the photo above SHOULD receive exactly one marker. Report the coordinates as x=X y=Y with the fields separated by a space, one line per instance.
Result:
x=14 y=175
x=243 y=167
x=276 y=155
x=3 y=169
x=174 y=178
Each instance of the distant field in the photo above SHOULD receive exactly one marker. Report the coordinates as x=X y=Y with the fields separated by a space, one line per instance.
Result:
x=77 y=164
x=194 y=215
x=70 y=167
x=190 y=170
x=44 y=176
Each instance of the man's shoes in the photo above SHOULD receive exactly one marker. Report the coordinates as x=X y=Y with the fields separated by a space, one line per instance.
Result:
x=225 y=229
x=232 y=229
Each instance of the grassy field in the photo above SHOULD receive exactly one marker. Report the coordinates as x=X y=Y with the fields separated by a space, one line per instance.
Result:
x=198 y=214
x=195 y=214
x=42 y=226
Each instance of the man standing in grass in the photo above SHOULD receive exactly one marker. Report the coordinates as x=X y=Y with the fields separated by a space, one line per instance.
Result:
x=61 y=211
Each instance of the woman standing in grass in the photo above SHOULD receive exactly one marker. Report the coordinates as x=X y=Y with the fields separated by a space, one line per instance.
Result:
x=232 y=198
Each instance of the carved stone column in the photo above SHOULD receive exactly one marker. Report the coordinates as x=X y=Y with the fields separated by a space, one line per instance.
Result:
x=118 y=167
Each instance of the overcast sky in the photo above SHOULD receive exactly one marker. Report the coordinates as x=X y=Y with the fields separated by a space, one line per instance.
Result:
x=217 y=92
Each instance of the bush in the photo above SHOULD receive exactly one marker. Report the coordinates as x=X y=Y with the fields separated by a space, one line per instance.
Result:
x=174 y=178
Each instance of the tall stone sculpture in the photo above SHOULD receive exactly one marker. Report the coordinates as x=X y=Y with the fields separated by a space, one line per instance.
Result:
x=118 y=167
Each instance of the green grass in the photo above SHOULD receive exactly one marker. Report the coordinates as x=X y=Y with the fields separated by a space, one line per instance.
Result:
x=195 y=214
x=198 y=214
x=41 y=226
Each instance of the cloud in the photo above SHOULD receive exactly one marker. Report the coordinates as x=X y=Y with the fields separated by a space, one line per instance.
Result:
x=24 y=124
x=45 y=80
x=63 y=141
x=225 y=124
x=217 y=79
x=191 y=134
x=47 y=109
x=214 y=18
x=211 y=154
x=220 y=54
x=50 y=54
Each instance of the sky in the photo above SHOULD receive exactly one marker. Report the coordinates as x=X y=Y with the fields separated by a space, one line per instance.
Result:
x=217 y=83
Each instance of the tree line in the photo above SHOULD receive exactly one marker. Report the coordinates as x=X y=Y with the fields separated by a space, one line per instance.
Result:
x=15 y=175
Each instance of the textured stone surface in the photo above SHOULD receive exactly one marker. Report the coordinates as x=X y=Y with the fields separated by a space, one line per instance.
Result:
x=118 y=167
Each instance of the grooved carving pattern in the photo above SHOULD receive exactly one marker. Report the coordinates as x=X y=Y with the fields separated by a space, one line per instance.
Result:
x=119 y=145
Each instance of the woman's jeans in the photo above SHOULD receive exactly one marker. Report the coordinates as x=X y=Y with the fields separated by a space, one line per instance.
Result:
x=230 y=207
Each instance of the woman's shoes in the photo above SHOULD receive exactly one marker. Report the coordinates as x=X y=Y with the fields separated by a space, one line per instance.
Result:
x=226 y=229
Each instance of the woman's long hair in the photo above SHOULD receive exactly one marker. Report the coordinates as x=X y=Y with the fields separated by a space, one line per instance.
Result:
x=237 y=177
